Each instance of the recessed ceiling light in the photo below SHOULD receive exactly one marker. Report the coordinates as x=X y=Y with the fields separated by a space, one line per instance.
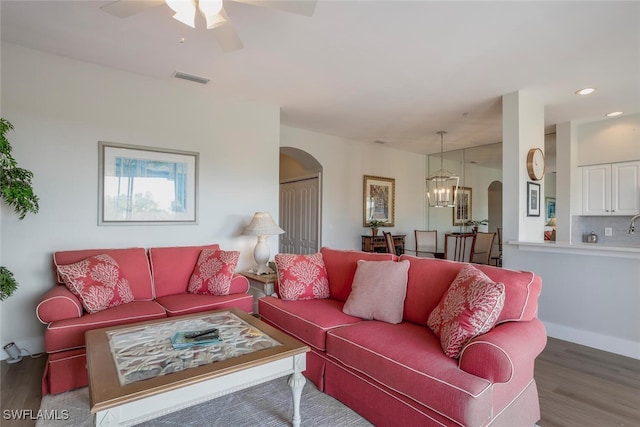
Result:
x=614 y=114
x=585 y=91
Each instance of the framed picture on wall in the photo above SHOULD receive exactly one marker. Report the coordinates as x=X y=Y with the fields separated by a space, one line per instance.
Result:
x=144 y=185
x=379 y=200
x=463 y=205
x=550 y=203
x=533 y=199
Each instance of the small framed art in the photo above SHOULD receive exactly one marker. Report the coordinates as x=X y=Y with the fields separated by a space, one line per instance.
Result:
x=463 y=205
x=379 y=197
x=533 y=199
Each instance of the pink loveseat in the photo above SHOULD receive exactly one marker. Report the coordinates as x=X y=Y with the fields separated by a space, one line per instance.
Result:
x=158 y=279
x=398 y=374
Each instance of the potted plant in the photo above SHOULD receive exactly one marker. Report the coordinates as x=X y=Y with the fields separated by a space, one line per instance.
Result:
x=374 y=224
x=16 y=190
x=476 y=223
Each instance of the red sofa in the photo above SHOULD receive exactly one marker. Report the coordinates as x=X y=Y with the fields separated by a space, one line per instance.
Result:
x=158 y=279
x=398 y=374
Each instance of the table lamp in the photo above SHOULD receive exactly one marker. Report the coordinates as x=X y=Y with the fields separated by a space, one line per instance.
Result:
x=263 y=226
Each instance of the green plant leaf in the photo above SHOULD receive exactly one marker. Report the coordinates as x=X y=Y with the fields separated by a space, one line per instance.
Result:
x=8 y=284
x=15 y=183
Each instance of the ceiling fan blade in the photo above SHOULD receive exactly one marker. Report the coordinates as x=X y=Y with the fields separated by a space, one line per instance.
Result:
x=126 y=8
x=301 y=7
x=226 y=35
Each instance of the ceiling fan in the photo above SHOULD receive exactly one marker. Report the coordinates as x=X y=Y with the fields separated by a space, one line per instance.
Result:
x=213 y=11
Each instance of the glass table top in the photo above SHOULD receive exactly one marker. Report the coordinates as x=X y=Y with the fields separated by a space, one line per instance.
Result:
x=146 y=351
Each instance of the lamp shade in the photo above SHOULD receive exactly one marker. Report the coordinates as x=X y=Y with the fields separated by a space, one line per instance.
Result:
x=262 y=225
x=552 y=222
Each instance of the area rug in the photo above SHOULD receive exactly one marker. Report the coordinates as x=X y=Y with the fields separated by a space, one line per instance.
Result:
x=269 y=404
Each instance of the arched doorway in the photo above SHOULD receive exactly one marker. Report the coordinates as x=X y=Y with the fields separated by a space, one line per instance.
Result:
x=300 y=201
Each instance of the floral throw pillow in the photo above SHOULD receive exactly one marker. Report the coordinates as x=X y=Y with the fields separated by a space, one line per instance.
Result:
x=470 y=307
x=213 y=272
x=97 y=281
x=301 y=277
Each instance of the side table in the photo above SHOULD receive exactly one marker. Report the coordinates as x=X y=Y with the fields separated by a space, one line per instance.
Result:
x=260 y=286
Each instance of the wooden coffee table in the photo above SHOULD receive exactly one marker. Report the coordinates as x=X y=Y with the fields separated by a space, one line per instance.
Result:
x=135 y=374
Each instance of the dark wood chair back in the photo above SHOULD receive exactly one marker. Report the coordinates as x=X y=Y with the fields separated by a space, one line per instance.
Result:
x=388 y=239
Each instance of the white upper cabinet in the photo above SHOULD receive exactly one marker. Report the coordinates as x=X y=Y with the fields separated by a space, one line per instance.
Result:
x=611 y=189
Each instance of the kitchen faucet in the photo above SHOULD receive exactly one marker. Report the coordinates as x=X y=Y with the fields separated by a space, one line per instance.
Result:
x=632 y=227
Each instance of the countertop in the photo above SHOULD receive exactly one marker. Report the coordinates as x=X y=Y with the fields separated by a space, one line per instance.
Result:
x=597 y=249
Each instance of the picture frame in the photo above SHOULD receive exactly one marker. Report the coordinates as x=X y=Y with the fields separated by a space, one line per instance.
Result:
x=463 y=205
x=145 y=185
x=533 y=199
x=379 y=200
x=550 y=203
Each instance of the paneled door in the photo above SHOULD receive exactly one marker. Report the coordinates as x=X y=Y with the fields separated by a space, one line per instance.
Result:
x=299 y=216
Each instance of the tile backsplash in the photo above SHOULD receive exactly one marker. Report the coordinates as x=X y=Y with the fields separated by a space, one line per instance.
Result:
x=584 y=225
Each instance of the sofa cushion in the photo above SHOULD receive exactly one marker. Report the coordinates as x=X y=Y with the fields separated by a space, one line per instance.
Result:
x=172 y=267
x=301 y=277
x=469 y=308
x=341 y=267
x=213 y=272
x=69 y=333
x=407 y=358
x=521 y=292
x=429 y=279
x=133 y=263
x=58 y=304
x=186 y=303
x=378 y=292
x=97 y=281
x=307 y=320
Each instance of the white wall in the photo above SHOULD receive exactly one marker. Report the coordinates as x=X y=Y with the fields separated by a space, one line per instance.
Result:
x=344 y=164
x=61 y=108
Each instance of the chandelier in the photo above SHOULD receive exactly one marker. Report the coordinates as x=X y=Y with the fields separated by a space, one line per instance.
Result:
x=442 y=186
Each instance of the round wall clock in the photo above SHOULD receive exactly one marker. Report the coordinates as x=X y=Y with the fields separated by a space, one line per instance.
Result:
x=535 y=164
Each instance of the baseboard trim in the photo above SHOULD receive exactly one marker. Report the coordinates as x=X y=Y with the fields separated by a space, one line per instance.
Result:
x=608 y=343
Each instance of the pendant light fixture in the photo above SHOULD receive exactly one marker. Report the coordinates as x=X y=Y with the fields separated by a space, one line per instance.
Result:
x=442 y=186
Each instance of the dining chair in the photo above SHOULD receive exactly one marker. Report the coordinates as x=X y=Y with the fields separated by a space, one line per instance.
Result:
x=482 y=248
x=459 y=247
x=498 y=256
x=426 y=243
x=388 y=240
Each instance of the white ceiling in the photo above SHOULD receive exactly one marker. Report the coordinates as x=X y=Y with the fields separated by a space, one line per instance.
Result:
x=392 y=71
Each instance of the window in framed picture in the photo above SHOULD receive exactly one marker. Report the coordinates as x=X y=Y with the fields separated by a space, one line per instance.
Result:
x=463 y=205
x=379 y=200
x=144 y=185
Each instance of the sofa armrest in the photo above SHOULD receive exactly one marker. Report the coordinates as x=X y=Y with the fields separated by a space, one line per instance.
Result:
x=58 y=304
x=507 y=349
x=239 y=284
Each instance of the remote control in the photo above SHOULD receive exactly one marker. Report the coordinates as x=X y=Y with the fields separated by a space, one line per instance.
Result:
x=197 y=334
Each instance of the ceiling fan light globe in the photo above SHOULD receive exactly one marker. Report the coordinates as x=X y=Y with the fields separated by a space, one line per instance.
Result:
x=185 y=11
x=210 y=8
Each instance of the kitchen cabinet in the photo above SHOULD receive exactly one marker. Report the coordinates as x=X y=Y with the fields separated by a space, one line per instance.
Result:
x=611 y=189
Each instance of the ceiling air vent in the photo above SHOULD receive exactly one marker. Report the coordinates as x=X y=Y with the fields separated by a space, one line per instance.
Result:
x=191 y=77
